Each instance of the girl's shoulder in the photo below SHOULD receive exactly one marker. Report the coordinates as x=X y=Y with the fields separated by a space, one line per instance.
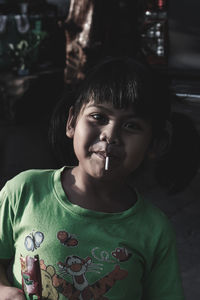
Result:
x=29 y=176
x=23 y=186
x=155 y=218
x=29 y=179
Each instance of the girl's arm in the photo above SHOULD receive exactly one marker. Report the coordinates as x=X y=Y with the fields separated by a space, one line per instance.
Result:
x=8 y=292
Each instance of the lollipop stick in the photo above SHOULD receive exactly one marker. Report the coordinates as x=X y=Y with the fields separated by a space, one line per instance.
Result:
x=106 y=163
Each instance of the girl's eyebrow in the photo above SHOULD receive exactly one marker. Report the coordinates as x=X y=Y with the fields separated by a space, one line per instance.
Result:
x=127 y=114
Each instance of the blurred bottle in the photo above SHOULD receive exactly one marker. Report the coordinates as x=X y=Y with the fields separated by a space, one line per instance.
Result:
x=153 y=31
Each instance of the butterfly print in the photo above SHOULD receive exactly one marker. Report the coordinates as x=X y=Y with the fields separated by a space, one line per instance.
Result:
x=33 y=240
x=67 y=239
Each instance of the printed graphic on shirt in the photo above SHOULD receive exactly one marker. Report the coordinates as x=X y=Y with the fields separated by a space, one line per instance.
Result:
x=67 y=239
x=81 y=289
x=48 y=289
x=121 y=254
x=102 y=255
x=75 y=268
x=33 y=240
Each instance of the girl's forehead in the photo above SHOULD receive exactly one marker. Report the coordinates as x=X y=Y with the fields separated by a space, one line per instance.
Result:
x=108 y=109
x=108 y=106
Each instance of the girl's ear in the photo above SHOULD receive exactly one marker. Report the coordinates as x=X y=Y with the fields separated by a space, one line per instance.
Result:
x=70 y=126
x=159 y=147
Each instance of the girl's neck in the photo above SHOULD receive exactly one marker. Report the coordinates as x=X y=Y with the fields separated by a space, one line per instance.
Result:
x=98 y=195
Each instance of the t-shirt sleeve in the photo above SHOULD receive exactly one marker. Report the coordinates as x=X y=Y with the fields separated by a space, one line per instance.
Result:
x=164 y=280
x=6 y=226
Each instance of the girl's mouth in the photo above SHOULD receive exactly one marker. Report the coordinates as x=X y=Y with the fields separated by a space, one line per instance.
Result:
x=107 y=161
x=101 y=154
x=115 y=154
x=104 y=155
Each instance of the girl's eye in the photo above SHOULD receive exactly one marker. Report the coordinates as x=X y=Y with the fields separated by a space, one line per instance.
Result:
x=98 y=117
x=132 y=126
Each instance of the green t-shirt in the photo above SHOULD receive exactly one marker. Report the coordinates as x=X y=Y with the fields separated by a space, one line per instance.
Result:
x=86 y=254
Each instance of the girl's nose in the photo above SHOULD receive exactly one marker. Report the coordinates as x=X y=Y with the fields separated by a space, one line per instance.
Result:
x=110 y=134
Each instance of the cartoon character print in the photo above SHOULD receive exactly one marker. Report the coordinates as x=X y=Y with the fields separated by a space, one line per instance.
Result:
x=80 y=289
x=77 y=268
x=48 y=290
x=67 y=239
x=53 y=282
x=33 y=240
x=121 y=254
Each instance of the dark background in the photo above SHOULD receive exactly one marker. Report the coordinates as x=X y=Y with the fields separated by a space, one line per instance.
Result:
x=27 y=102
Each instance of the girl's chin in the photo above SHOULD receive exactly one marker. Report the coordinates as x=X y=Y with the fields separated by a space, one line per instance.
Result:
x=99 y=163
x=99 y=173
x=96 y=168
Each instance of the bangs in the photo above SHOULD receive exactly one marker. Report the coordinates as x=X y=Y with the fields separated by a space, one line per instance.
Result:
x=114 y=82
x=120 y=94
x=126 y=84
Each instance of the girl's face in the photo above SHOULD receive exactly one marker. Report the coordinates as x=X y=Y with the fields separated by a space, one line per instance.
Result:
x=101 y=130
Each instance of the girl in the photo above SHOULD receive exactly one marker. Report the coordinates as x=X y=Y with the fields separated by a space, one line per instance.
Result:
x=96 y=237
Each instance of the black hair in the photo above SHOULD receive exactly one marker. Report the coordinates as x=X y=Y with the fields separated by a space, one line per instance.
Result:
x=126 y=83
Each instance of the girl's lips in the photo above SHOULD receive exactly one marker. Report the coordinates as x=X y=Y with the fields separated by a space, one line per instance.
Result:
x=103 y=155
x=100 y=154
x=103 y=150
